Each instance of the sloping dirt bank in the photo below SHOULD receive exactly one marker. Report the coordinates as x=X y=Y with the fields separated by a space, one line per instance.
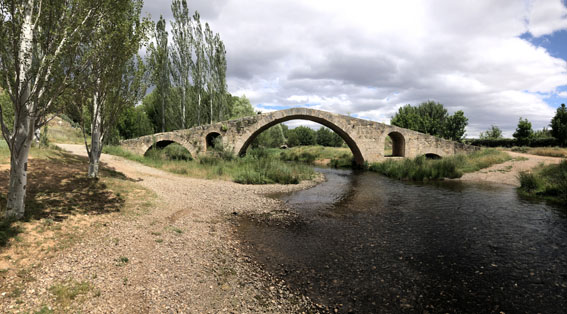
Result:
x=177 y=257
x=507 y=172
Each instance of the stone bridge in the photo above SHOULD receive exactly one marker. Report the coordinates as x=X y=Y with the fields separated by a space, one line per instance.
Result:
x=366 y=139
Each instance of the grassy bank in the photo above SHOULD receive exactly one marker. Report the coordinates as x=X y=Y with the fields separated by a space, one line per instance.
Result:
x=258 y=167
x=543 y=151
x=336 y=157
x=422 y=169
x=548 y=182
x=62 y=206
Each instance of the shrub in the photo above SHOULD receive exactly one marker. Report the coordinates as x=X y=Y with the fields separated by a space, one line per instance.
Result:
x=343 y=161
x=175 y=151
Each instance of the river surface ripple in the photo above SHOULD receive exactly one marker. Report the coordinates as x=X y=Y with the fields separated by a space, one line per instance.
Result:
x=368 y=244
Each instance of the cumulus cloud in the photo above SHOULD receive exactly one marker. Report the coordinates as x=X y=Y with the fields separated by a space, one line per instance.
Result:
x=368 y=58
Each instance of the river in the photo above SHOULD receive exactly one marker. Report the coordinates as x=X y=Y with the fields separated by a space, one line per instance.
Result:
x=368 y=244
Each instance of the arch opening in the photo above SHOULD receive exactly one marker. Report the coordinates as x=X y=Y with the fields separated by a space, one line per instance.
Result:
x=357 y=154
x=167 y=149
x=397 y=143
x=432 y=156
x=212 y=140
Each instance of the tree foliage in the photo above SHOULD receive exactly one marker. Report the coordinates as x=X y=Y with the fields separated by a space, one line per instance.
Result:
x=432 y=118
x=37 y=61
x=189 y=72
x=559 y=125
x=240 y=107
x=524 y=132
x=301 y=136
x=326 y=137
x=491 y=134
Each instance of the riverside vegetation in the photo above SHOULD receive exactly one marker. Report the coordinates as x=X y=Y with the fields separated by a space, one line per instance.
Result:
x=548 y=182
x=257 y=167
x=423 y=169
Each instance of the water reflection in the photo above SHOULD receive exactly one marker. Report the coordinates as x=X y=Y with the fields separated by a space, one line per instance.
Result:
x=370 y=244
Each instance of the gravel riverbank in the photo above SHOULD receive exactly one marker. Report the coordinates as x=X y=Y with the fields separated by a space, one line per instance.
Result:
x=178 y=257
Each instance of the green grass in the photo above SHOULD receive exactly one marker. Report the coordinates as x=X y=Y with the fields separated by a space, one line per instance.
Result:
x=257 y=167
x=422 y=169
x=547 y=182
x=66 y=292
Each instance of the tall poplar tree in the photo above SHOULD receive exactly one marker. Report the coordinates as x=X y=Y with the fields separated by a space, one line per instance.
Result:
x=199 y=66
x=39 y=40
x=159 y=65
x=182 y=59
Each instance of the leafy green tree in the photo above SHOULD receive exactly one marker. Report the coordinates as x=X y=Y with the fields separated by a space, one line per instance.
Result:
x=39 y=41
x=454 y=126
x=241 y=107
x=408 y=117
x=301 y=136
x=325 y=137
x=115 y=75
x=524 y=132
x=559 y=125
x=432 y=118
x=134 y=122
x=543 y=133
x=491 y=134
x=272 y=137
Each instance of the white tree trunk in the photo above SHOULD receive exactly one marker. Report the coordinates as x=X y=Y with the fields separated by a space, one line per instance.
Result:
x=96 y=139
x=18 y=173
x=183 y=102
x=163 y=114
x=211 y=106
x=199 y=109
x=23 y=124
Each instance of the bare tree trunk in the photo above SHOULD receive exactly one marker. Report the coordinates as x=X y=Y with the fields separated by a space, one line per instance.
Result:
x=211 y=106
x=96 y=139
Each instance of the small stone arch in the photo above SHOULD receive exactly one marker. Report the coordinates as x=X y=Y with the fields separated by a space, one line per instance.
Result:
x=210 y=139
x=159 y=145
x=163 y=144
x=432 y=156
x=357 y=154
x=398 y=144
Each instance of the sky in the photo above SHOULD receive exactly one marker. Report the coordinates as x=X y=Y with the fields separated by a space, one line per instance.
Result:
x=495 y=60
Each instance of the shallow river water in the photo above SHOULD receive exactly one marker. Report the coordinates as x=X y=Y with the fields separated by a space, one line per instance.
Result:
x=368 y=244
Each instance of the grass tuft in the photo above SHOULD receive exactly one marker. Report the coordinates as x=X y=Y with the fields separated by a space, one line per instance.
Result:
x=547 y=182
x=66 y=292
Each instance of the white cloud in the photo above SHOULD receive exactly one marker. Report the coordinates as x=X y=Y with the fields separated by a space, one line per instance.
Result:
x=367 y=58
x=546 y=17
x=562 y=94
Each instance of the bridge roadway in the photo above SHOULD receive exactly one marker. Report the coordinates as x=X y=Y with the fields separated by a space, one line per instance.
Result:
x=365 y=138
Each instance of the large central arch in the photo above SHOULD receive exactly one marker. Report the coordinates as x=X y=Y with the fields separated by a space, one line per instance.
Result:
x=357 y=154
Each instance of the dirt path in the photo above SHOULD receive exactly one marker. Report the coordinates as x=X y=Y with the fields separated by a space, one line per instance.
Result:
x=507 y=173
x=178 y=258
